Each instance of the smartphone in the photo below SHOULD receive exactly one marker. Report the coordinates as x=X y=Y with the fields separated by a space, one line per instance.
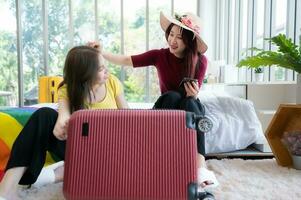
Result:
x=186 y=79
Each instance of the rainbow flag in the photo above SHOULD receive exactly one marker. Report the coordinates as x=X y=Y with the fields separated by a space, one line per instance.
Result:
x=12 y=120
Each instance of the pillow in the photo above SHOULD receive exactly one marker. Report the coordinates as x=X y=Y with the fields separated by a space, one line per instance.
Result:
x=235 y=123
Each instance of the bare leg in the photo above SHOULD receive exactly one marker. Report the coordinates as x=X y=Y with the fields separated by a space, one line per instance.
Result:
x=201 y=161
x=9 y=183
x=202 y=164
x=11 y=178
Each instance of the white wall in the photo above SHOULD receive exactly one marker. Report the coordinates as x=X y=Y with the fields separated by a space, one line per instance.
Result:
x=267 y=96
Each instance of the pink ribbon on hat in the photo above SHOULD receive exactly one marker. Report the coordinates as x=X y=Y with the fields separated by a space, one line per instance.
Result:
x=187 y=22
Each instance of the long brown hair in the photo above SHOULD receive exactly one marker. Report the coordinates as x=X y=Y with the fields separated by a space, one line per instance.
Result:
x=191 y=55
x=80 y=71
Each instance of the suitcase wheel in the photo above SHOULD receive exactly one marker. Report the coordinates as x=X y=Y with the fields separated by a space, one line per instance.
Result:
x=204 y=124
x=205 y=196
x=193 y=193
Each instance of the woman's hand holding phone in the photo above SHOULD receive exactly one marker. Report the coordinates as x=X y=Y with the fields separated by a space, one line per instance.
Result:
x=186 y=79
x=191 y=87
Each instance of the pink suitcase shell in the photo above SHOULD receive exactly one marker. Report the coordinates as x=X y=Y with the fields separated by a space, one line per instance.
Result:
x=130 y=155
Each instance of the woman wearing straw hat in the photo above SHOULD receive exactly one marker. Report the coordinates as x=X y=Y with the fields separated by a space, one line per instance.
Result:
x=183 y=58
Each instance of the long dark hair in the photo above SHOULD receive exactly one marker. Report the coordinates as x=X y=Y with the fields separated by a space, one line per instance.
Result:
x=191 y=55
x=80 y=71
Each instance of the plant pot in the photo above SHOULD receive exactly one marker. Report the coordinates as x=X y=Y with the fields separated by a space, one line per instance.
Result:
x=296 y=162
x=298 y=92
x=258 y=77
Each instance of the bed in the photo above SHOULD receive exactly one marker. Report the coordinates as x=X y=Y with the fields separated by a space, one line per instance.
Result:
x=235 y=123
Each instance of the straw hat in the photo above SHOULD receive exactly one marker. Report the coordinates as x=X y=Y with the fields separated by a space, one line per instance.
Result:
x=187 y=21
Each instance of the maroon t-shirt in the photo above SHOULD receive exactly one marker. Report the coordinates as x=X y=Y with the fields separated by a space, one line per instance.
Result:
x=170 y=68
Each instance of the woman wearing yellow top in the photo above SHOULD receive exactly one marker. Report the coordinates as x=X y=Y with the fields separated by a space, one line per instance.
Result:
x=87 y=84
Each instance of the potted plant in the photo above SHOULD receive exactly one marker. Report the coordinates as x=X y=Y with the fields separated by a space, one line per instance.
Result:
x=292 y=141
x=288 y=55
x=258 y=74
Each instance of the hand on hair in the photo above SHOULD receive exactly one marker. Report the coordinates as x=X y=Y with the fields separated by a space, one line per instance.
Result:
x=60 y=128
x=96 y=45
x=192 y=89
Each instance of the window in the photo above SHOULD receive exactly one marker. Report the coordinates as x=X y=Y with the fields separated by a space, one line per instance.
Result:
x=232 y=30
x=265 y=19
x=8 y=54
x=109 y=30
x=244 y=37
x=83 y=21
x=260 y=12
x=156 y=41
x=58 y=42
x=132 y=27
x=32 y=39
x=279 y=26
x=182 y=6
x=259 y=23
x=134 y=43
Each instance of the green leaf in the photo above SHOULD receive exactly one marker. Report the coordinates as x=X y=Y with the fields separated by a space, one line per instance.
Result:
x=285 y=45
x=288 y=55
x=268 y=58
x=255 y=49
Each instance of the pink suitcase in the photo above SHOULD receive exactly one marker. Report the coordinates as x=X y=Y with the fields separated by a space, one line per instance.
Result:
x=130 y=155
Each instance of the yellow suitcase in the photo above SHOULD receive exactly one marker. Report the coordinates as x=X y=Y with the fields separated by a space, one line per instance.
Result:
x=48 y=86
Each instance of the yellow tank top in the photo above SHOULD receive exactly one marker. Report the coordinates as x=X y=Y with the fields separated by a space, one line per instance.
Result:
x=113 y=89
